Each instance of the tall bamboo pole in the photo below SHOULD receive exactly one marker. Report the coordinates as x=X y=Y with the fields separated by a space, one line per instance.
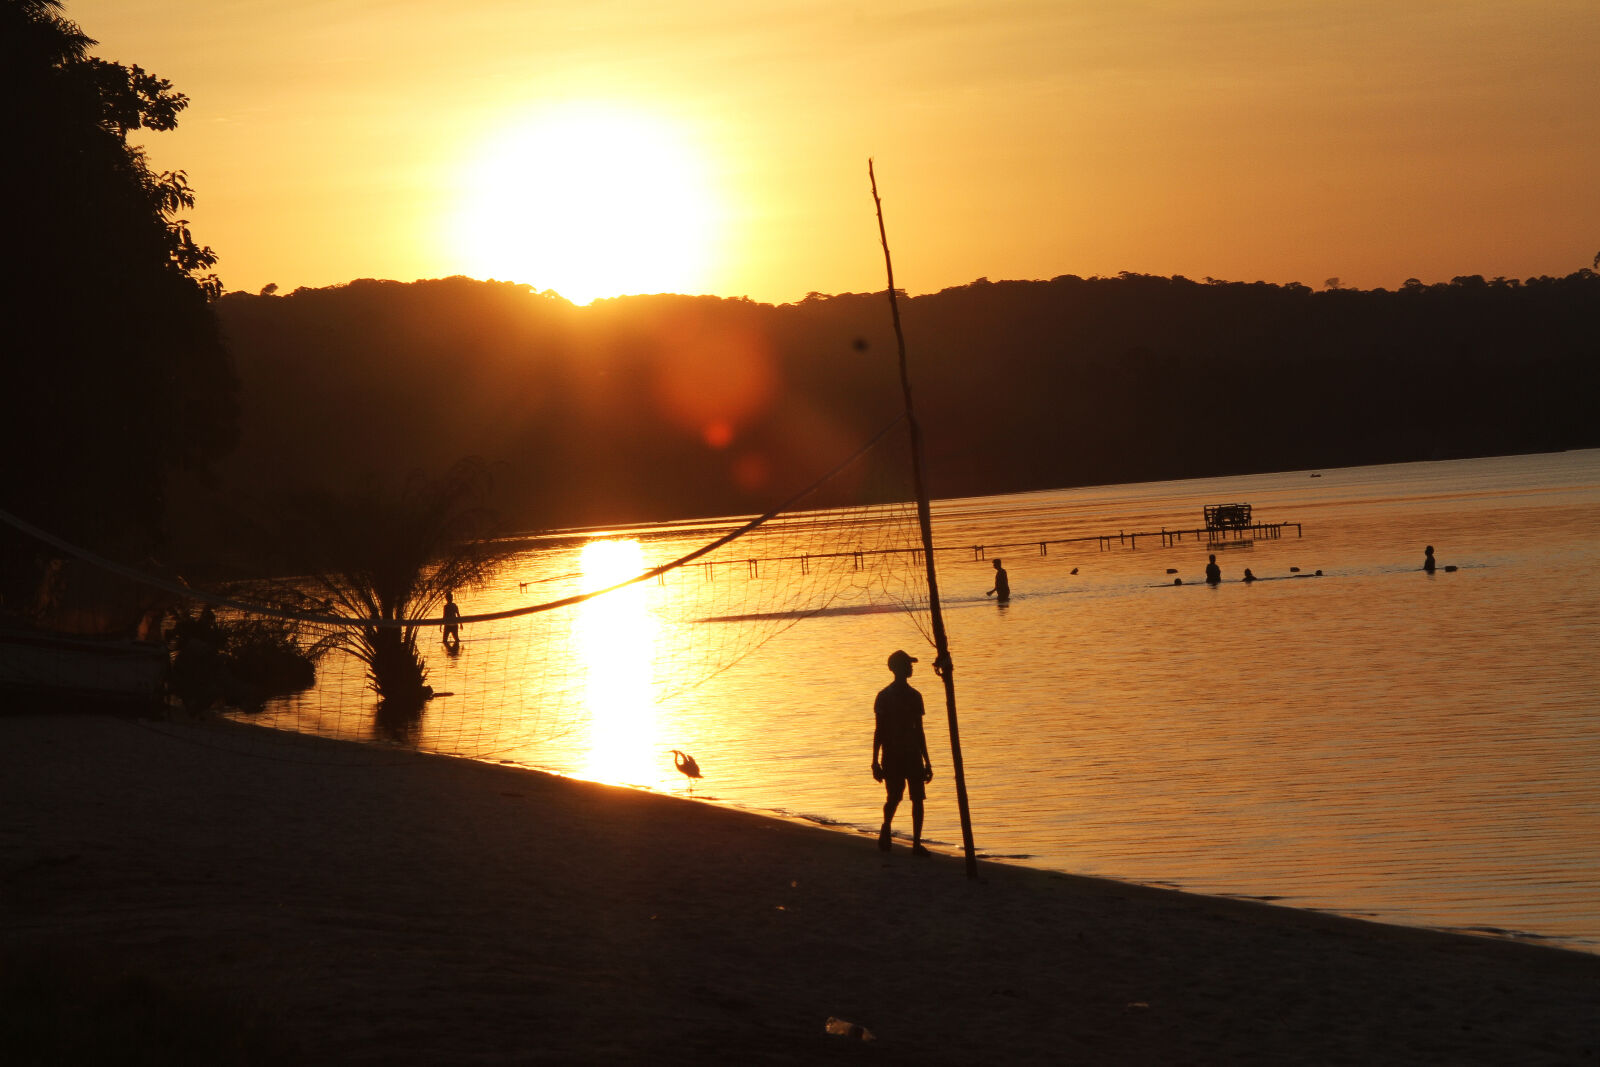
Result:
x=942 y=664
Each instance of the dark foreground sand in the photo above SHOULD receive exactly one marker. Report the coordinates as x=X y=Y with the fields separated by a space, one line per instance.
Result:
x=197 y=892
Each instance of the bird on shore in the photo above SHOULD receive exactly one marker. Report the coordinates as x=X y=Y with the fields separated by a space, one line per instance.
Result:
x=686 y=767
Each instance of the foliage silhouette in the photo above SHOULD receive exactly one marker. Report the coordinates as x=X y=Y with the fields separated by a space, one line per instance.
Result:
x=1020 y=385
x=389 y=555
x=241 y=661
x=117 y=375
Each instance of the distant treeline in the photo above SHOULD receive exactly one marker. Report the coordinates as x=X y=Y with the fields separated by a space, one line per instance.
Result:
x=645 y=408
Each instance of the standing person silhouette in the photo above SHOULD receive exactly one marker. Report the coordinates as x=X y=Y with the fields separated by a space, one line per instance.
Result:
x=1002 y=586
x=452 y=628
x=899 y=741
x=1427 y=560
x=1213 y=572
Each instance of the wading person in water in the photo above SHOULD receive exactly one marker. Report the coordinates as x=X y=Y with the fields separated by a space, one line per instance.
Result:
x=1213 y=572
x=1002 y=586
x=452 y=628
x=900 y=750
x=1427 y=560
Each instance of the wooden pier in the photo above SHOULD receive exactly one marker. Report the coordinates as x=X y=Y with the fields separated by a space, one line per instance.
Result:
x=1129 y=539
x=1167 y=538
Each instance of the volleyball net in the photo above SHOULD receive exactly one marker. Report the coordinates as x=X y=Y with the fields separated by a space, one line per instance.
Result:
x=568 y=638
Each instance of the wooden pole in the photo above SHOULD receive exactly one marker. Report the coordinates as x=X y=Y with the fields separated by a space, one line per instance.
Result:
x=942 y=664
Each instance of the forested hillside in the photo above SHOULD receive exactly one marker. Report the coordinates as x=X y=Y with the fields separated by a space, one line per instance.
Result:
x=668 y=406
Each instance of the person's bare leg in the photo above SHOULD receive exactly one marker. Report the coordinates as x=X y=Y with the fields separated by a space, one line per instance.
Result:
x=889 y=807
x=916 y=824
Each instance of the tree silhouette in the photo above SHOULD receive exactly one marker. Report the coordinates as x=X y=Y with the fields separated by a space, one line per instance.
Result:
x=117 y=374
x=1021 y=385
x=388 y=556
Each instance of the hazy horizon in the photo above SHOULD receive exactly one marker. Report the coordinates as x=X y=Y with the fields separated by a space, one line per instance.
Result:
x=712 y=149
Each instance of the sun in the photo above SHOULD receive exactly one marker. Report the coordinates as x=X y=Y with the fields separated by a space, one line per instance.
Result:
x=590 y=200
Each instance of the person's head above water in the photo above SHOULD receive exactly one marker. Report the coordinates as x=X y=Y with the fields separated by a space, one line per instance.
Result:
x=900 y=662
x=1428 y=551
x=996 y=567
x=1213 y=557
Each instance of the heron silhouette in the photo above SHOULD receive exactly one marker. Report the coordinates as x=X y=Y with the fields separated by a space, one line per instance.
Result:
x=686 y=767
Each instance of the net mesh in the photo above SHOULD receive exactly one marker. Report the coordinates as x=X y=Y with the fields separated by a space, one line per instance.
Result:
x=575 y=633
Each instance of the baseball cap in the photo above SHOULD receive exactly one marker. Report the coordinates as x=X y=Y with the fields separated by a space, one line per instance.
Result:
x=900 y=655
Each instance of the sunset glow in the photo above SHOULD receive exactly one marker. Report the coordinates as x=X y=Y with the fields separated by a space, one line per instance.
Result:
x=590 y=200
x=714 y=147
x=499 y=493
x=616 y=635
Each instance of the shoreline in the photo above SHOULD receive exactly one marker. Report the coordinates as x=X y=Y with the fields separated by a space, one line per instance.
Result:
x=953 y=849
x=330 y=902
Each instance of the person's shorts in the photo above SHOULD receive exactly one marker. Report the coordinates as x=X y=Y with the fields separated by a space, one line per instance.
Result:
x=895 y=783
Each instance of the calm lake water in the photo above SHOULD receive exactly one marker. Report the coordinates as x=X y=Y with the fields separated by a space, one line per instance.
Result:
x=1418 y=749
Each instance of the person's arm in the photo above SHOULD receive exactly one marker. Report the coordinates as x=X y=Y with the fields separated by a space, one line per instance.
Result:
x=877 y=738
x=922 y=739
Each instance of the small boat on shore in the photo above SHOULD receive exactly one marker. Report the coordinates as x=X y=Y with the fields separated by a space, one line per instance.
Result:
x=52 y=668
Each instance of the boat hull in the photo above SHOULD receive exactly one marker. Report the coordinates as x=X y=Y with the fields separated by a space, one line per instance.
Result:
x=61 y=668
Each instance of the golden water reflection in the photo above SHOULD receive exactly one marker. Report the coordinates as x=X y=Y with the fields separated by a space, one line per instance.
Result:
x=616 y=640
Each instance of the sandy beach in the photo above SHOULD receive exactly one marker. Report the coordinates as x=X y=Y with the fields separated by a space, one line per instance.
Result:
x=202 y=892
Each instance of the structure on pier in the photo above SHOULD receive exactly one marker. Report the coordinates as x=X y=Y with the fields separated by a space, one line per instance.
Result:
x=1223 y=517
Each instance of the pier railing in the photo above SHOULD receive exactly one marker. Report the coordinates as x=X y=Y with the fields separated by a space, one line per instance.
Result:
x=1102 y=542
x=1105 y=542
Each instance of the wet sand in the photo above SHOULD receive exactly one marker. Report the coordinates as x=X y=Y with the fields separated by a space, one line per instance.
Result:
x=211 y=893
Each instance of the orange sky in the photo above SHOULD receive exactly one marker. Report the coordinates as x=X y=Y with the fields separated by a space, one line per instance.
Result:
x=1367 y=140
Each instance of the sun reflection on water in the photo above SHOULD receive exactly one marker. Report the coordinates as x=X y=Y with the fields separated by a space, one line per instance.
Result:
x=616 y=636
